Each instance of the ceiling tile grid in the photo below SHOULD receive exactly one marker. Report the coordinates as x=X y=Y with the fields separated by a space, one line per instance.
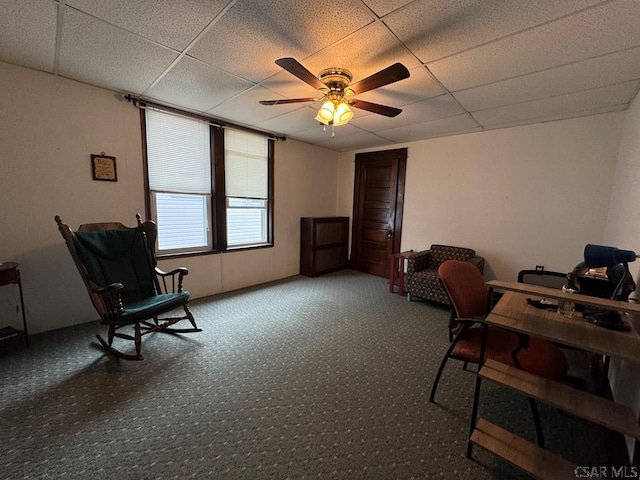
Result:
x=439 y=28
x=254 y=33
x=473 y=65
x=595 y=72
x=452 y=125
x=605 y=29
x=104 y=55
x=574 y=102
x=196 y=85
x=169 y=23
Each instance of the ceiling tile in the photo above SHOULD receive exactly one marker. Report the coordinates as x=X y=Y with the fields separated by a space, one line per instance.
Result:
x=245 y=108
x=596 y=72
x=318 y=134
x=291 y=122
x=353 y=141
x=564 y=104
x=436 y=128
x=249 y=38
x=101 y=54
x=28 y=33
x=553 y=118
x=597 y=31
x=197 y=85
x=173 y=24
x=289 y=86
x=431 y=109
x=433 y=29
x=363 y=53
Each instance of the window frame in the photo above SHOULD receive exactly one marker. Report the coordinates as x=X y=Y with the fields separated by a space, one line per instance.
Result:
x=218 y=198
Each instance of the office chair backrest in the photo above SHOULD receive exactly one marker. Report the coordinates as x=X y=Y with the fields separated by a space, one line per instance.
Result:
x=466 y=289
x=543 y=278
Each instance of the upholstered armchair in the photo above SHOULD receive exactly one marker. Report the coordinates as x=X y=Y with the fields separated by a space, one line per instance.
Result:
x=422 y=271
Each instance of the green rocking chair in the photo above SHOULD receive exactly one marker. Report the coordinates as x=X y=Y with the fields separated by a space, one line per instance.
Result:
x=118 y=267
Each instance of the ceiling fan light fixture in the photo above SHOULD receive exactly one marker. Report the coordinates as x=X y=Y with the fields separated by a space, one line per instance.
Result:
x=326 y=112
x=335 y=85
x=342 y=114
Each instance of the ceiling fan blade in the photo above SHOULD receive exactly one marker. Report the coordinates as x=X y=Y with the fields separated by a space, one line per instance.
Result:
x=288 y=100
x=376 y=108
x=294 y=67
x=391 y=74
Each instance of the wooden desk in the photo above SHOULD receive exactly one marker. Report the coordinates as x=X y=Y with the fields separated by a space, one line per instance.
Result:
x=10 y=274
x=514 y=313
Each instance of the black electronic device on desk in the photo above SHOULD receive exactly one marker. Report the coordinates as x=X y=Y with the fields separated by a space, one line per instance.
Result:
x=616 y=284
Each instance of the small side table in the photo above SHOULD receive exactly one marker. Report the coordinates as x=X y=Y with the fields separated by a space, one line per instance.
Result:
x=396 y=270
x=10 y=274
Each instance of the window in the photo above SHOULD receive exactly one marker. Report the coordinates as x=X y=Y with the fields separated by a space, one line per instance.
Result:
x=246 y=186
x=210 y=188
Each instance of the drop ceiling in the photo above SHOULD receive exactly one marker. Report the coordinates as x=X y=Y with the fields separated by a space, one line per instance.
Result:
x=475 y=65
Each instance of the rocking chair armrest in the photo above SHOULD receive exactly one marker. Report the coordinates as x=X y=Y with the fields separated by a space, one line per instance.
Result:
x=114 y=288
x=175 y=287
x=111 y=299
x=180 y=270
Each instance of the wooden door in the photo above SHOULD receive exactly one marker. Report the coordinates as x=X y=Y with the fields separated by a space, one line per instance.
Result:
x=377 y=209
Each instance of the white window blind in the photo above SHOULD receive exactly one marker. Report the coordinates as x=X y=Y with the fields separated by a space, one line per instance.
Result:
x=246 y=164
x=178 y=153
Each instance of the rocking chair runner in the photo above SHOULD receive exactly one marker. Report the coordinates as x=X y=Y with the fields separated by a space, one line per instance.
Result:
x=127 y=289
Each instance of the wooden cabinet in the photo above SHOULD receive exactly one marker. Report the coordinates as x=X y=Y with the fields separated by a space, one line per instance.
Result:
x=513 y=313
x=324 y=245
x=12 y=339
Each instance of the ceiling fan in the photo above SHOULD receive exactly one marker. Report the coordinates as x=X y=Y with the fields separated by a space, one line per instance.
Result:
x=336 y=88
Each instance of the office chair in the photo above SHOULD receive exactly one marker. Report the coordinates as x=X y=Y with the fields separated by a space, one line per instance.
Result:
x=543 y=278
x=469 y=297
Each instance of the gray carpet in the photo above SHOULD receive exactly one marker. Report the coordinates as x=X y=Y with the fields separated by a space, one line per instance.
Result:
x=297 y=379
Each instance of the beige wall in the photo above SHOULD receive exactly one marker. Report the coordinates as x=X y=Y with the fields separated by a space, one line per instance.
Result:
x=523 y=196
x=48 y=128
x=623 y=231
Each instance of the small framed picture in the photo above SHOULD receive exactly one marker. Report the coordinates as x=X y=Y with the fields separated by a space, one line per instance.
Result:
x=104 y=168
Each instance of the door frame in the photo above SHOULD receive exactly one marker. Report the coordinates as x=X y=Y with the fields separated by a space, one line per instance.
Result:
x=360 y=158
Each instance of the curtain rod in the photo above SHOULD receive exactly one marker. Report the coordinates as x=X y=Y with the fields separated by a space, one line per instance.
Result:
x=142 y=103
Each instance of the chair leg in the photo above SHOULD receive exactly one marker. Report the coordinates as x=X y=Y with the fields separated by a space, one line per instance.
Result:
x=523 y=343
x=536 y=421
x=190 y=316
x=111 y=334
x=442 y=364
x=138 y=339
x=476 y=394
x=464 y=365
